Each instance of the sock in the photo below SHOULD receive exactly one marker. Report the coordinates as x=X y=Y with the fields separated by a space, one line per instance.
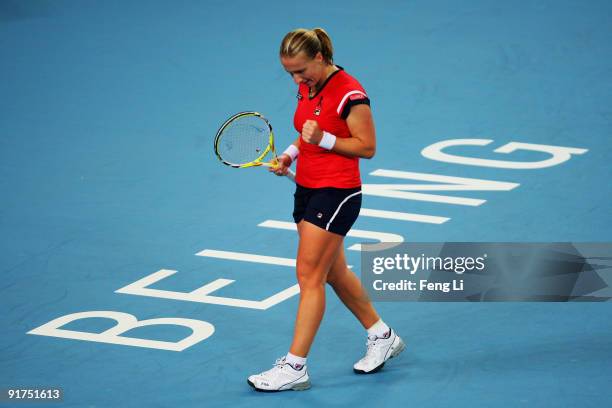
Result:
x=296 y=362
x=379 y=329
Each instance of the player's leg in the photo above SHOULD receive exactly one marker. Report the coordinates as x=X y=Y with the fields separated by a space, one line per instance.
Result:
x=317 y=251
x=382 y=343
x=350 y=291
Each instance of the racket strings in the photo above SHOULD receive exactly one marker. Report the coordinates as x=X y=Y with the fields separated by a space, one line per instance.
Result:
x=244 y=140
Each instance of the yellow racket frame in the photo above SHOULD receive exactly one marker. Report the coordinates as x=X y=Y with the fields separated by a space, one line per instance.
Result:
x=259 y=160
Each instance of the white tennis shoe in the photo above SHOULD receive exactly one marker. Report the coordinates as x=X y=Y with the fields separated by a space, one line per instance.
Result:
x=282 y=377
x=380 y=349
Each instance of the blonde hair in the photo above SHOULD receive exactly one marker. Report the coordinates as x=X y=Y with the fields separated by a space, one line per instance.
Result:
x=310 y=42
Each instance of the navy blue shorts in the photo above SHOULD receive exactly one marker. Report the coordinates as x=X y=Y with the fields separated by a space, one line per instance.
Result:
x=333 y=209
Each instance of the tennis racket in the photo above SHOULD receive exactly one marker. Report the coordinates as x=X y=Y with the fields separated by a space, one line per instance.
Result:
x=244 y=140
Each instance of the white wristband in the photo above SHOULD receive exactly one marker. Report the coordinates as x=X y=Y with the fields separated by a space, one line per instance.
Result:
x=292 y=152
x=327 y=141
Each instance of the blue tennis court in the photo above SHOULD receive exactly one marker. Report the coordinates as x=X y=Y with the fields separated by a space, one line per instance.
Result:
x=114 y=206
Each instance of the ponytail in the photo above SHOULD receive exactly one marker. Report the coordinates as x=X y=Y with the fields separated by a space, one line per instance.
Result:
x=327 y=50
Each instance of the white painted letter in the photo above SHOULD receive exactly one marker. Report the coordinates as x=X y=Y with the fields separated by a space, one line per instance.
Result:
x=125 y=321
x=202 y=294
x=559 y=154
x=441 y=183
x=379 y=236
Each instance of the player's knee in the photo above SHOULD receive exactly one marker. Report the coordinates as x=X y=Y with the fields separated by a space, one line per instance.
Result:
x=308 y=280
x=311 y=282
x=310 y=277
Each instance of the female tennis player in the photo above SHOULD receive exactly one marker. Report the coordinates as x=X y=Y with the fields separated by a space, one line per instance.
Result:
x=335 y=127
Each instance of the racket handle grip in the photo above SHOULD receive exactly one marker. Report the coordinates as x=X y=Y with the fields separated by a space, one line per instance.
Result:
x=290 y=175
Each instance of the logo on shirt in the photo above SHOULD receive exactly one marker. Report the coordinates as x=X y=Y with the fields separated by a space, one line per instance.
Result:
x=357 y=97
x=317 y=110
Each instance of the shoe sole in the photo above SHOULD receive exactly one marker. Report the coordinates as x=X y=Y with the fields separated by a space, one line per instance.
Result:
x=297 y=387
x=395 y=351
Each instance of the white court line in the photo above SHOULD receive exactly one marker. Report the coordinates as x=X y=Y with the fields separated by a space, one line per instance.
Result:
x=242 y=256
x=355 y=233
x=246 y=257
x=403 y=216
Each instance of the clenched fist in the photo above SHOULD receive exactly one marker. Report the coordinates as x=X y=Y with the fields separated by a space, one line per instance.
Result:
x=311 y=132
